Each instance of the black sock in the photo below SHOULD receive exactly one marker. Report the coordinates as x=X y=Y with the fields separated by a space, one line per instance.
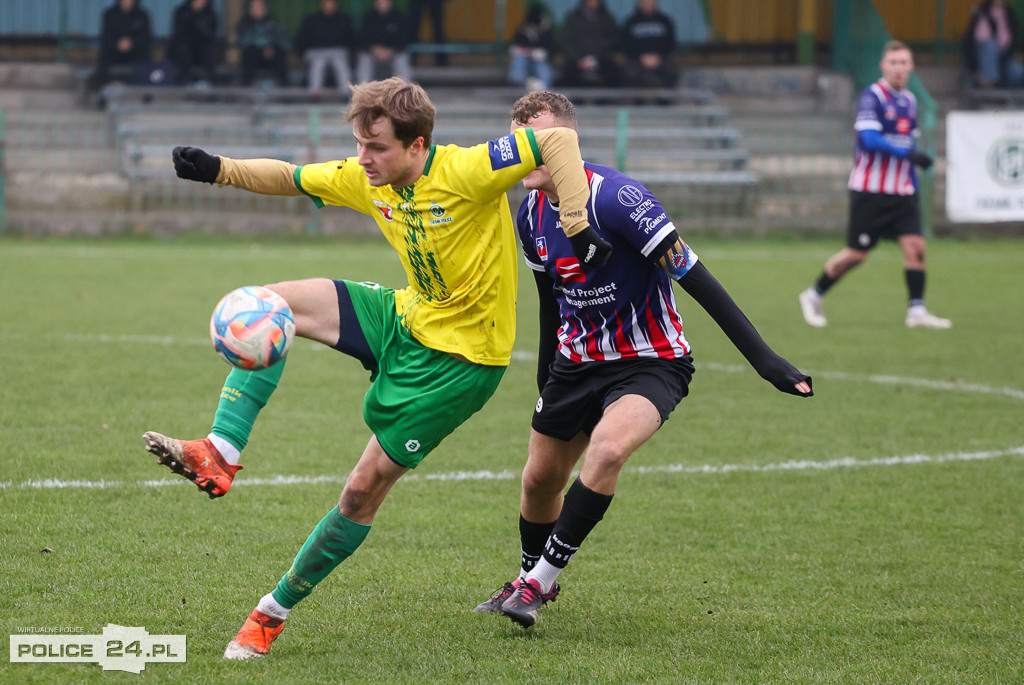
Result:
x=824 y=283
x=581 y=510
x=915 y=285
x=533 y=536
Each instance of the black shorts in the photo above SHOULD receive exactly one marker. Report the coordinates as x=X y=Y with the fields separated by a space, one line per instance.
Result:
x=874 y=216
x=576 y=394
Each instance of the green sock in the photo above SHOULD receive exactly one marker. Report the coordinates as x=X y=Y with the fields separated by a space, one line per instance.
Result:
x=243 y=395
x=333 y=540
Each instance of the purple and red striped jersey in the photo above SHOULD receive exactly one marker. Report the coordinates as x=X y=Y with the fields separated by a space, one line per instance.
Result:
x=627 y=307
x=893 y=113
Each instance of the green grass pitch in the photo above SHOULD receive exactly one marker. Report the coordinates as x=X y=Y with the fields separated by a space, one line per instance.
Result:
x=872 y=534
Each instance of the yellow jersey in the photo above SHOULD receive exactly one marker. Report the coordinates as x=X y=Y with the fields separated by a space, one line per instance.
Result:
x=454 y=235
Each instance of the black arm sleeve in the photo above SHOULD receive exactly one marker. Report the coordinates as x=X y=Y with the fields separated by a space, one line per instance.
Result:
x=549 y=324
x=709 y=294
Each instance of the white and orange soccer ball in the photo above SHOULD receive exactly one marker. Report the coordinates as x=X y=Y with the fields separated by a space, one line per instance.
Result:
x=252 y=328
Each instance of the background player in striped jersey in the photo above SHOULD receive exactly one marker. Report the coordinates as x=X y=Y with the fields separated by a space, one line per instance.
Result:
x=435 y=349
x=613 y=360
x=884 y=202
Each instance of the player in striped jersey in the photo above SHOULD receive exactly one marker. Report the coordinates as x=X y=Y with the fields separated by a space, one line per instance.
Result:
x=884 y=202
x=613 y=360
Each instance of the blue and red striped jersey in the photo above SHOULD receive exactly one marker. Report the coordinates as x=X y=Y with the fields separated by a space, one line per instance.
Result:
x=893 y=113
x=627 y=307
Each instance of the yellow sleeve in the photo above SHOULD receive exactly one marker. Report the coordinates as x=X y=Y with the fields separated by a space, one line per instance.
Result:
x=483 y=172
x=341 y=183
x=265 y=176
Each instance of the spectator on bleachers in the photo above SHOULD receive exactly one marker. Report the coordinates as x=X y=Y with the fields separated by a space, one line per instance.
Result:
x=649 y=43
x=436 y=10
x=264 y=44
x=193 y=45
x=529 y=59
x=590 y=37
x=325 y=38
x=124 y=41
x=385 y=37
x=990 y=45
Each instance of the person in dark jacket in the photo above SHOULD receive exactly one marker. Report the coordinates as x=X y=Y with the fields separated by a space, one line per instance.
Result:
x=124 y=40
x=590 y=37
x=529 y=59
x=990 y=45
x=325 y=39
x=193 y=44
x=649 y=43
x=385 y=37
x=264 y=44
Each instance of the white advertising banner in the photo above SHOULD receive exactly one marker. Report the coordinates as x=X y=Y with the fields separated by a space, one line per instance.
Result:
x=985 y=170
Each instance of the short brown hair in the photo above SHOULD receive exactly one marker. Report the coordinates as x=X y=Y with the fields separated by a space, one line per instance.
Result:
x=405 y=104
x=532 y=104
x=893 y=46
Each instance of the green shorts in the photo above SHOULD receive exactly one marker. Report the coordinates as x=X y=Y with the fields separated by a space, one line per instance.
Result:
x=417 y=395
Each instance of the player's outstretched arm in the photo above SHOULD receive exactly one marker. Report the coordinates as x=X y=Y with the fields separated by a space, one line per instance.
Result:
x=709 y=294
x=265 y=176
x=560 y=150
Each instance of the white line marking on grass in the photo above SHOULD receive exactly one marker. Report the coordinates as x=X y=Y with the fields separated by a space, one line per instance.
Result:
x=459 y=476
x=523 y=355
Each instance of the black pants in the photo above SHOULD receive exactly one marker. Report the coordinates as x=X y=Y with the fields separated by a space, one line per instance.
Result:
x=255 y=60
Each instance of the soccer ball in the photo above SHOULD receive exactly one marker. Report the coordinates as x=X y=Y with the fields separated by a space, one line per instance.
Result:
x=252 y=328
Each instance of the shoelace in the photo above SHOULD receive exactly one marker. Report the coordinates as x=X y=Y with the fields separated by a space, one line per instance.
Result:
x=529 y=593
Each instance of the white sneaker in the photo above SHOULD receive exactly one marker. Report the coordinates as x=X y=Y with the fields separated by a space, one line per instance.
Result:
x=919 y=317
x=810 y=304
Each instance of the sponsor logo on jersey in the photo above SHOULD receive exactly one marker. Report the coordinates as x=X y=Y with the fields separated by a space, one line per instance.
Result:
x=570 y=270
x=387 y=210
x=890 y=112
x=650 y=224
x=903 y=125
x=504 y=152
x=641 y=210
x=412 y=446
x=437 y=210
x=542 y=248
x=630 y=196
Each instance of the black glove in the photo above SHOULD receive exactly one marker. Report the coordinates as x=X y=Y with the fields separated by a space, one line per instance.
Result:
x=195 y=164
x=783 y=375
x=590 y=248
x=919 y=158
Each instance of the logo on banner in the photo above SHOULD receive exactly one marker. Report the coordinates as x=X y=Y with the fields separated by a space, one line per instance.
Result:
x=1006 y=161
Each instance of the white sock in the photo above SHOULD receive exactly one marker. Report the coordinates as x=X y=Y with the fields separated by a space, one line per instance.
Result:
x=916 y=309
x=270 y=606
x=545 y=574
x=230 y=453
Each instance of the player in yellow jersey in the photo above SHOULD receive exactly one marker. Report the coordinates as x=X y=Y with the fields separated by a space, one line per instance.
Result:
x=435 y=349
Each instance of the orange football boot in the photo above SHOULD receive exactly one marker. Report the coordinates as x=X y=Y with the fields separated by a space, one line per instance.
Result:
x=197 y=460
x=255 y=637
